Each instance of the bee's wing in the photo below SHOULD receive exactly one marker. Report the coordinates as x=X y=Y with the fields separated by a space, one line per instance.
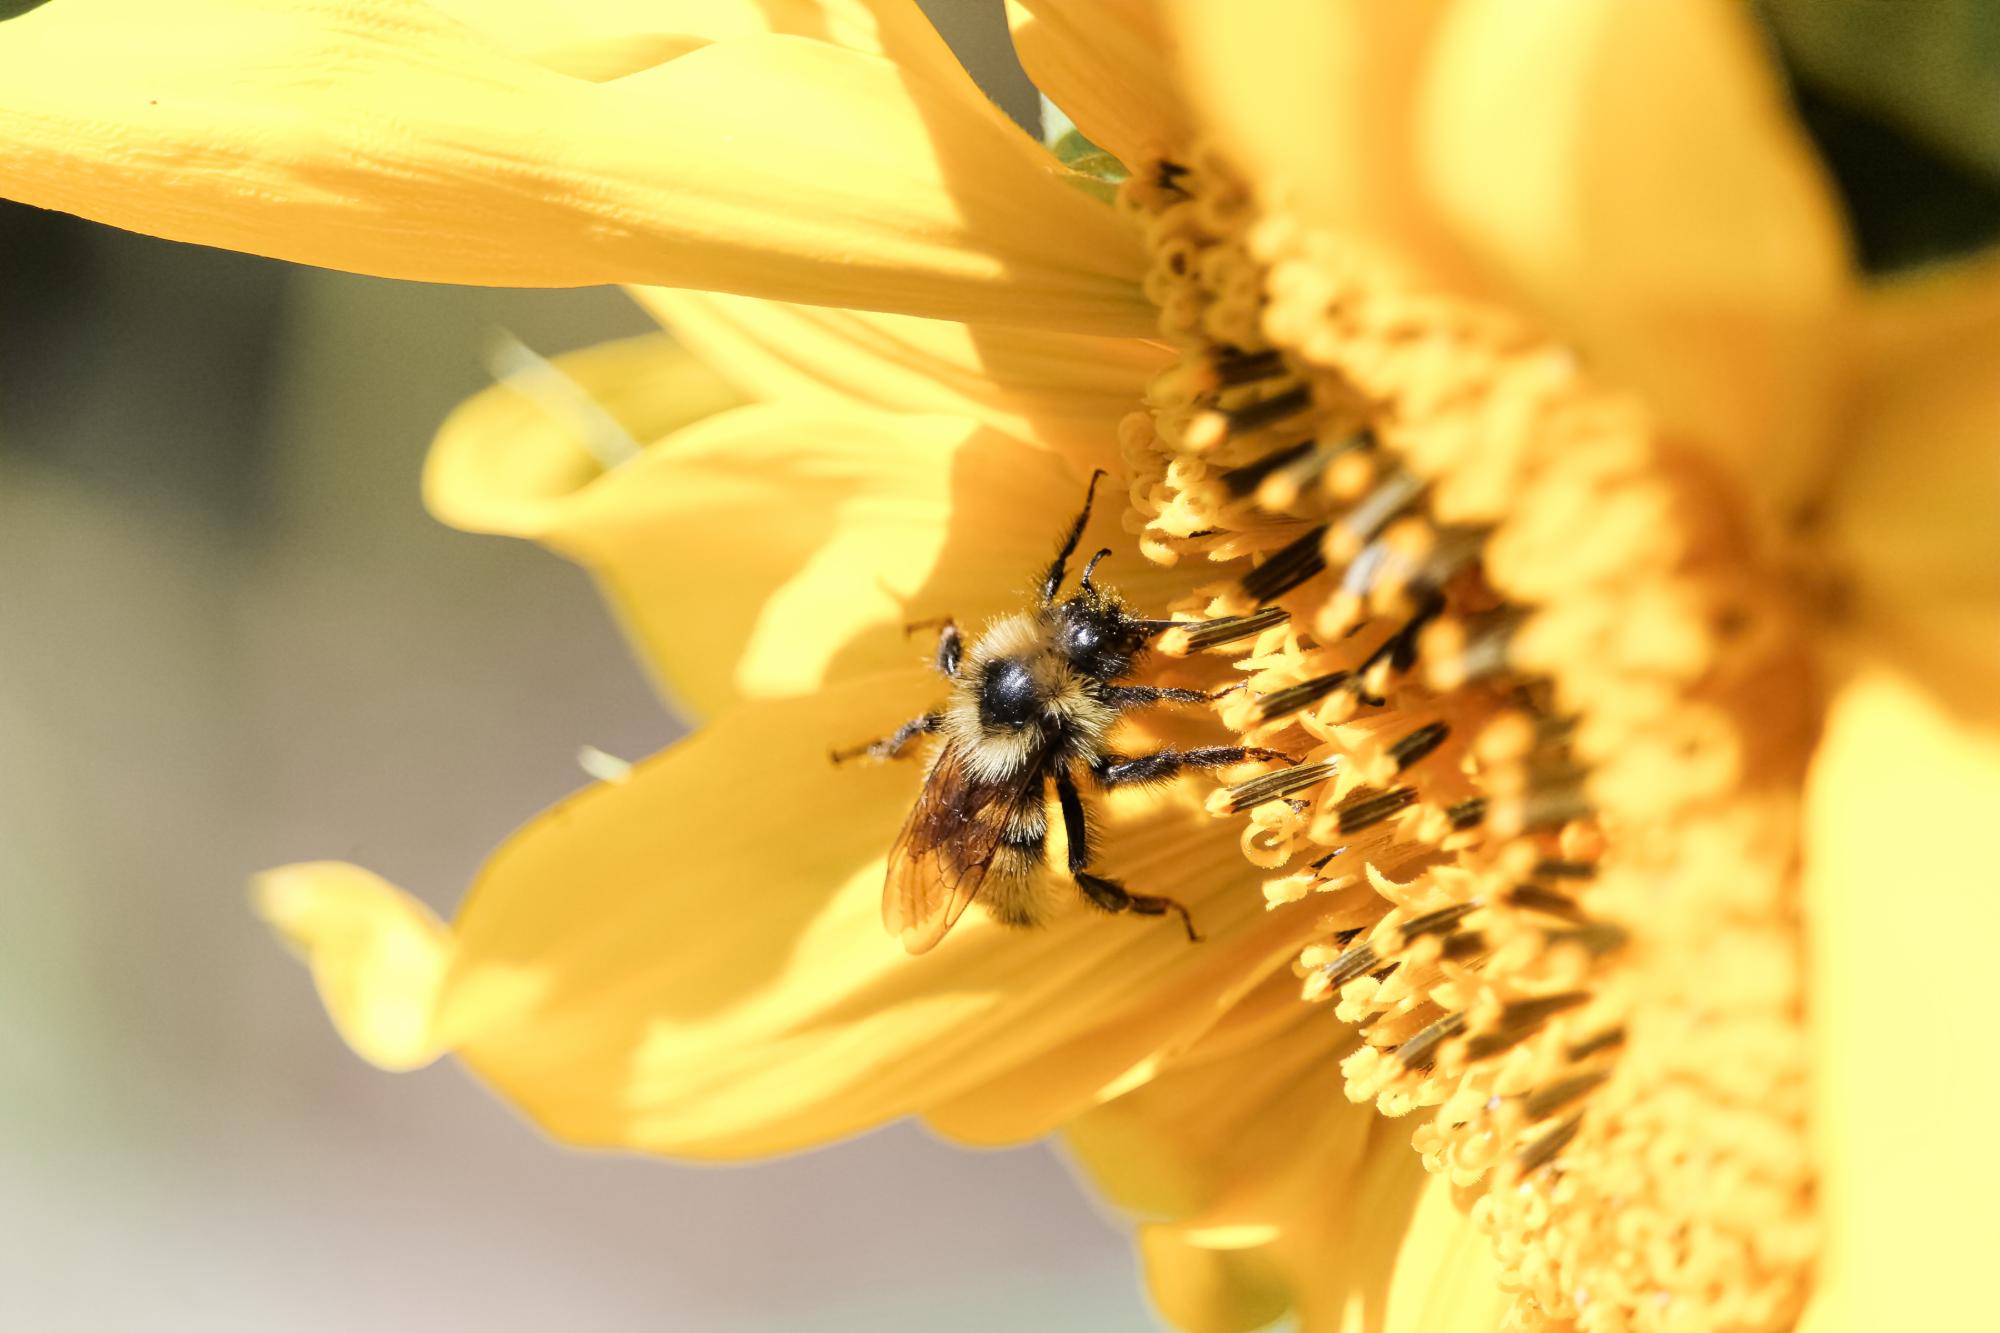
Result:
x=942 y=855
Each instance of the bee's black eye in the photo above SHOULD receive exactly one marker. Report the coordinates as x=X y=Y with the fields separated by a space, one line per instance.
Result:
x=1007 y=695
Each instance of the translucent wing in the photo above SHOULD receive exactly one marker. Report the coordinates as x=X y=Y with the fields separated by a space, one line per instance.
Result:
x=947 y=847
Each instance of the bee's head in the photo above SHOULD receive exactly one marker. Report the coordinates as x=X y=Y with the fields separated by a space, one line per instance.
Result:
x=1098 y=636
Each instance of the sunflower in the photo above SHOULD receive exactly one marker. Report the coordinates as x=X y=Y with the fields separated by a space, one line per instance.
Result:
x=1493 y=387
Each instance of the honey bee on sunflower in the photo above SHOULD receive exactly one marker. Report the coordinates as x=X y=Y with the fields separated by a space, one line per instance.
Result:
x=1032 y=705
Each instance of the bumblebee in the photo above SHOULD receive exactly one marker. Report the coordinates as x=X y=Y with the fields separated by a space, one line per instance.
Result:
x=1032 y=704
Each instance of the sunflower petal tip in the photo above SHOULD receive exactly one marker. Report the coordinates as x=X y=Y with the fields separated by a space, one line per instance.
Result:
x=377 y=955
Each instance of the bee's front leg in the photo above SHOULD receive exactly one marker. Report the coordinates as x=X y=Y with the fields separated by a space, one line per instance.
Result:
x=895 y=743
x=950 y=644
x=1117 y=770
x=1123 y=697
x=1107 y=894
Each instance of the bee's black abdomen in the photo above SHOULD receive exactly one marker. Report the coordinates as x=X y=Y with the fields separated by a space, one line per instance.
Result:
x=1007 y=694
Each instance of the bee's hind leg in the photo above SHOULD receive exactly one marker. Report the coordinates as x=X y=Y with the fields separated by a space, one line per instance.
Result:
x=896 y=743
x=1112 y=896
x=1107 y=894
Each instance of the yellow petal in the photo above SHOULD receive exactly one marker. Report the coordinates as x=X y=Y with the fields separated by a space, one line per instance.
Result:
x=1913 y=515
x=377 y=955
x=381 y=137
x=1061 y=1081
x=692 y=960
x=1274 y=1190
x=596 y=40
x=1445 y=1273
x=1205 y=1290
x=606 y=39
x=763 y=551
x=1632 y=171
x=1067 y=391
x=1106 y=64
x=1316 y=101
x=1901 y=919
x=601 y=40
x=506 y=459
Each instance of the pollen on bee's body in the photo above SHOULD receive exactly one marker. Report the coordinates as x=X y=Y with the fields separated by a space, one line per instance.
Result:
x=1506 y=797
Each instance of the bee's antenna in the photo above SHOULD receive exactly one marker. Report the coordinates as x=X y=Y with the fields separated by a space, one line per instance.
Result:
x=1053 y=579
x=1091 y=567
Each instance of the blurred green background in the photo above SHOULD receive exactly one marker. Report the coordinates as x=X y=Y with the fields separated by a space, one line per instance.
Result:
x=230 y=637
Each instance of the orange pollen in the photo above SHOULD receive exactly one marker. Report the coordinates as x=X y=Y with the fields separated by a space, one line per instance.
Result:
x=1552 y=720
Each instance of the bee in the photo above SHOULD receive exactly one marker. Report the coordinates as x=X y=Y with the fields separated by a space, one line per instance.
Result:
x=1032 y=704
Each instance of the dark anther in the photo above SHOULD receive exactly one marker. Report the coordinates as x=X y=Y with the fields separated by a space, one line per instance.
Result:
x=1453 y=550
x=1467 y=813
x=1368 y=808
x=1543 y=1149
x=1443 y=919
x=1240 y=367
x=1270 y=411
x=1597 y=939
x=1551 y=804
x=1533 y=1013
x=1294 y=697
x=1521 y=1020
x=1545 y=1102
x=1282 y=488
x=1245 y=479
x=1351 y=964
x=1535 y=898
x=1418 y=744
x=1602 y=1041
x=1420 y=1052
x=1285 y=781
x=1287 y=567
x=1488 y=1044
x=1484 y=641
x=1390 y=497
x=1199 y=634
x=1552 y=869
x=1462 y=945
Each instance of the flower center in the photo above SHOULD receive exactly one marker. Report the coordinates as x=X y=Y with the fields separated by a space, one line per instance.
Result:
x=1553 y=722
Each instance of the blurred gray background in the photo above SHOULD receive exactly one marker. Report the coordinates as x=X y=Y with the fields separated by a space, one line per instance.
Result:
x=230 y=637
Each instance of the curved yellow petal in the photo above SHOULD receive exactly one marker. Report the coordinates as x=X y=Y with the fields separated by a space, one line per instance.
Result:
x=839 y=527
x=1316 y=101
x=1269 y=1189
x=1912 y=516
x=380 y=136
x=601 y=40
x=1901 y=918
x=1106 y=64
x=595 y=40
x=1911 y=317
x=1068 y=391
x=1201 y=1289
x=506 y=459
x=1633 y=171
x=377 y=955
x=692 y=960
x=1445 y=1275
